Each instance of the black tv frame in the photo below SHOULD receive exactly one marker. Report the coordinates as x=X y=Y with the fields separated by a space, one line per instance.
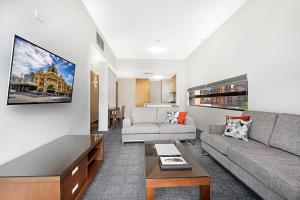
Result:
x=10 y=73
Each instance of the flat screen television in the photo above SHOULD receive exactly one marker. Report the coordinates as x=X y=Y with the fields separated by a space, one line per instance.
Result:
x=38 y=76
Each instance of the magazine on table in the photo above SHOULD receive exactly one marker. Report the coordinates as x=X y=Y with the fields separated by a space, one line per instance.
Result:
x=167 y=150
x=173 y=162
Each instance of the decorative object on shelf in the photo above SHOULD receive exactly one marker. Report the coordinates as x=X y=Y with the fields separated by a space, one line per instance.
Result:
x=230 y=93
x=237 y=128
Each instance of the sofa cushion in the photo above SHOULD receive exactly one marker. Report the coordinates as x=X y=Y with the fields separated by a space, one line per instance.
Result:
x=172 y=117
x=143 y=115
x=262 y=125
x=237 y=129
x=182 y=117
x=277 y=169
x=176 y=128
x=286 y=135
x=141 y=128
x=161 y=113
x=221 y=143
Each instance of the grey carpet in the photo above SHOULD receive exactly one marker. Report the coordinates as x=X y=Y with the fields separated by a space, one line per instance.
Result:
x=122 y=176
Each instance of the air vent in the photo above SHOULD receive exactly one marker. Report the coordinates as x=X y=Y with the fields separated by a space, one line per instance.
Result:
x=148 y=73
x=100 y=41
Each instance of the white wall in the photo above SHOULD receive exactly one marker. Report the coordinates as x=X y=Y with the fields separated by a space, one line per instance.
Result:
x=94 y=97
x=155 y=91
x=133 y=68
x=102 y=68
x=261 y=39
x=126 y=94
x=67 y=31
x=112 y=88
x=166 y=88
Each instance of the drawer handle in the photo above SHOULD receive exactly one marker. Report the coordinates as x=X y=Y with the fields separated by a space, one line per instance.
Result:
x=75 y=188
x=74 y=171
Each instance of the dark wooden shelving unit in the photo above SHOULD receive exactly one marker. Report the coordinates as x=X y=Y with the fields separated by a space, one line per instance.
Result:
x=93 y=169
x=95 y=160
x=92 y=155
x=62 y=169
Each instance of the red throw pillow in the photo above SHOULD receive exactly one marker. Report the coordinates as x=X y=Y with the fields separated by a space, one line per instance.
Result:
x=244 y=118
x=181 y=117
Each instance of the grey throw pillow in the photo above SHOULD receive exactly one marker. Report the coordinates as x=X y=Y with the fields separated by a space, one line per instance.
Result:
x=237 y=128
x=172 y=117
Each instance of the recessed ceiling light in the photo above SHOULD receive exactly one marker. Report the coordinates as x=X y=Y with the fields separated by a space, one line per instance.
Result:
x=157 y=49
x=149 y=73
x=158 y=77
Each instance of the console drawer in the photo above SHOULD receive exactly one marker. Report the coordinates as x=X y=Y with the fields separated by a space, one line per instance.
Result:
x=74 y=180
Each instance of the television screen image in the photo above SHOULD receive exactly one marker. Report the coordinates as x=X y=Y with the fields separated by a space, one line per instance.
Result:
x=38 y=76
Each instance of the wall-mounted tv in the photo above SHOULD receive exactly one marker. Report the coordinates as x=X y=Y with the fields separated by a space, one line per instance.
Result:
x=38 y=76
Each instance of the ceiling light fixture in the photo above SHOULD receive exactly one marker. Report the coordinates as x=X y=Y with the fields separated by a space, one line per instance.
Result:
x=157 y=49
x=158 y=77
x=148 y=73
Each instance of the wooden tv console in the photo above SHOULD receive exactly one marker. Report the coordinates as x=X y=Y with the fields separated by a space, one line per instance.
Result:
x=61 y=169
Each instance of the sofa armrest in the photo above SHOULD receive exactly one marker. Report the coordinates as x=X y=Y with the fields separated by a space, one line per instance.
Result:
x=217 y=129
x=189 y=121
x=127 y=122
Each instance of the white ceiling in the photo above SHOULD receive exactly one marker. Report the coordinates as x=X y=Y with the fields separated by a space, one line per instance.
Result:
x=131 y=27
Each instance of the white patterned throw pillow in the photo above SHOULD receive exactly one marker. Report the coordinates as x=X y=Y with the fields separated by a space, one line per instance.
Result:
x=237 y=128
x=172 y=117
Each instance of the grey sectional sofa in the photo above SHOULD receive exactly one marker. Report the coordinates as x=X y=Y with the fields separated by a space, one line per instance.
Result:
x=148 y=123
x=269 y=163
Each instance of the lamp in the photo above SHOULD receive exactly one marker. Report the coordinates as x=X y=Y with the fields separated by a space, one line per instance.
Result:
x=157 y=49
x=95 y=81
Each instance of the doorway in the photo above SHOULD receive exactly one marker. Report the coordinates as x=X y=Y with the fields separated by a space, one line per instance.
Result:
x=94 y=102
x=117 y=94
x=142 y=92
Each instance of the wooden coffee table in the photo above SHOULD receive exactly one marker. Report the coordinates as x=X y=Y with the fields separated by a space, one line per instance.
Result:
x=155 y=177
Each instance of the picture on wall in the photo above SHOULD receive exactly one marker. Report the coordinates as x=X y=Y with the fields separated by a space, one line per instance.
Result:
x=38 y=76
